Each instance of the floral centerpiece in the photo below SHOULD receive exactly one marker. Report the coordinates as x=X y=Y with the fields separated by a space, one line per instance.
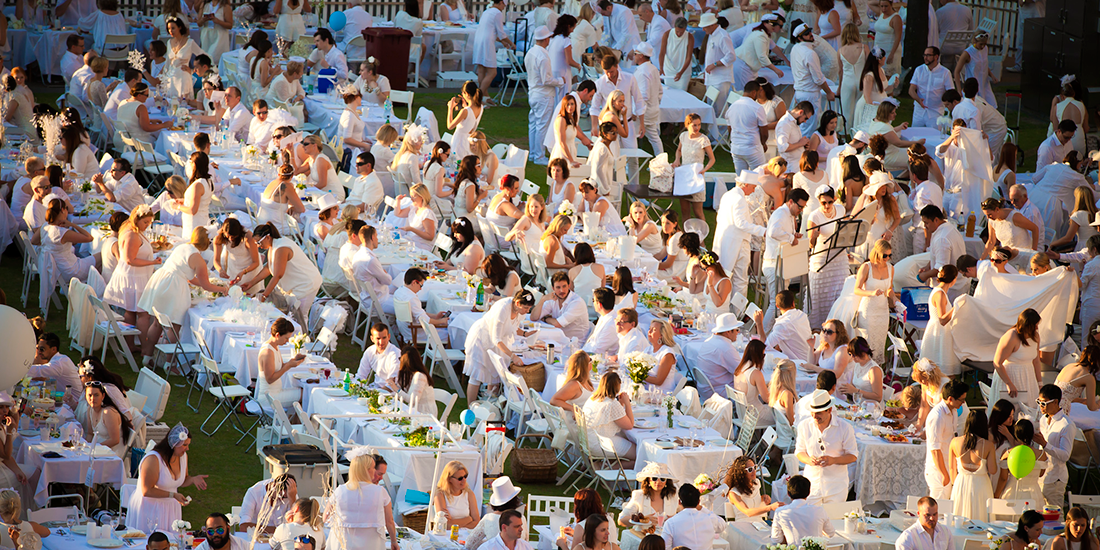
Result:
x=299 y=340
x=638 y=366
x=704 y=483
x=567 y=209
x=995 y=542
x=420 y=437
x=670 y=409
x=472 y=282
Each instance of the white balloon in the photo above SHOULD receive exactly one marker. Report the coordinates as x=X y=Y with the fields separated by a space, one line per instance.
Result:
x=17 y=341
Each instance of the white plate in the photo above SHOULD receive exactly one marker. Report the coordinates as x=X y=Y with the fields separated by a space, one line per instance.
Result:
x=303 y=375
x=80 y=529
x=720 y=442
x=336 y=392
x=665 y=444
x=105 y=543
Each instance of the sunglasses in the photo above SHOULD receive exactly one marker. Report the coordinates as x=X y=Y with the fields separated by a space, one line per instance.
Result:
x=460 y=478
x=361 y=163
x=891 y=255
x=827 y=203
x=214 y=530
x=999 y=261
x=93 y=384
x=1039 y=401
x=261 y=113
x=828 y=331
x=304 y=539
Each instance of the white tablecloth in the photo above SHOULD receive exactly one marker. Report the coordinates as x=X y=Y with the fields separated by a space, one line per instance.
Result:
x=459 y=326
x=325 y=111
x=685 y=463
x=46 y=48
x=677 y=104
x=214 y=328
x=71 y=467
x=889 y=472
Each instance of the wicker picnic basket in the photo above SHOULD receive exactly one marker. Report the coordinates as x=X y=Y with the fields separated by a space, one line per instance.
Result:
x=534 y=465
x=417 y=521
x=534 y=375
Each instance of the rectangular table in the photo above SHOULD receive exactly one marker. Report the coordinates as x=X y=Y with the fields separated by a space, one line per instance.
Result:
x=685 y=463
x=677 y=104
x=72 y=467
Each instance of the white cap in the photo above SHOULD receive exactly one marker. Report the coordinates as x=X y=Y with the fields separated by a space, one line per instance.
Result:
x=862 y=136
x=708 y=19
x=542 y=33
x=799 y=30
x=645 y=49
x=769 y=17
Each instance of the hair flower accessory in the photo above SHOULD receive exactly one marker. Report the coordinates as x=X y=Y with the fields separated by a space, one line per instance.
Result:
x=878 y=52
x=86 y=368
x=214 y=79
x=924 y=365
x=416 y=133
x=346 y=88
x=178 y=435
x=370 y=60
x=1067 y=79
x=361 y=450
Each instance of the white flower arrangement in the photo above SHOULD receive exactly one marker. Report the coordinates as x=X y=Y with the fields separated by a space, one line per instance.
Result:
x=299 y=340
x=472 y=280
x=136 y=60
x=639 y=365
x=782 y=547
x=180 y=525
x=567 y=209
x=852 y=515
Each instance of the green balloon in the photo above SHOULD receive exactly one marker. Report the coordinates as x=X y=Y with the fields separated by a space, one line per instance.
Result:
x=1021 y=461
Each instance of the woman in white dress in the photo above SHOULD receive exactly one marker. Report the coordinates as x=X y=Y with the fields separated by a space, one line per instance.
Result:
x=382 y=151
x=469 y=192
x=1027 y=487
x=157 y=503
x=20 y=104
x=1008 y=227
x=490 y=30
x=888 y=37
x=561 y=189
x=57 y=237
x=490 y=163
x=435 y=179
x=644 y=230
x=105 y=21
x=675 y=55
x=674 y=261
x=585 y=35
x=1016 y=363
x=501 y=281
x=105 y=420
x=875 y=284
x=566 y=133
x=832 y=352
x=286 y=92
x=170 y=9
x=974 y=63
x=215 y=20
x=810 y=177
x=748 y=378
x=422 y=221
x=464 y=118
x=825 y=138
x=406 y=163
x=745 y=501
x=826 y=277
x=351 y=127
x=290 y=25
x=466 y=253
x=694 y=148
x=832 y=17
x=133 y=116
x=887 y=218
x=291 y=270
x=415 y=382
x=235 y=251
x=774 y=109
x=136 y=264
x=577 y=387
x=593 y=202
x=607 y=413
x=303 y=519
x=561 y=54
x=886 y=142
x=360 y=513
x=938 y=344
x=181 y=48
x=374 y=87
x=496 y=332
x=452 y=11
x=873 y=88
x=271 y=381
x=1078 y=385
x=782 y=397
x=322 y=170
x=200 y=190
x=532 y=225
x=1080 y=220
x=263 y=70
x=555 y=255
x=717 y=286
x=1076 y=533
x=973 y=459
x=1066 y=106
x=662 y=346
x=655 y=497
x=586 y=274
x=454 y=497
x=864 y=379
x=280 y=199
x=502 y=211
x=853 y=56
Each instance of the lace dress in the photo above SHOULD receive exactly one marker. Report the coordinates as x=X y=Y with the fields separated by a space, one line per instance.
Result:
x=826 y=278
x=358 y=517
x=461 y=140
x=693 y=151
x=290 y=24
x=873 y=316
x=938 y=344
x=148 y=513
x=603 y=433
x=1009 y=234
x=971 y=489
x=849 y=87
x=128 y=282
x=1022 y=373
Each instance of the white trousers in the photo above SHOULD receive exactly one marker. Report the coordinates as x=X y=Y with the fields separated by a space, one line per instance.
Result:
x=719 y=107
x=749 y=161
x=653 y=131
x=936 y=488
x=771 y=279
x=810 y=125
x=926 y=118
x=538 y=120
x=739 y=272
x=742 y=73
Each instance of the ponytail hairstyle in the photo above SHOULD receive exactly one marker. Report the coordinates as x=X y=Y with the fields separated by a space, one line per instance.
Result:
x=470 y=89
x=976 y=428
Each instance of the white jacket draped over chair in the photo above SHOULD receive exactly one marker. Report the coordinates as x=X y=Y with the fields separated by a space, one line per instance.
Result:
x=81 y=317
x=717 y=413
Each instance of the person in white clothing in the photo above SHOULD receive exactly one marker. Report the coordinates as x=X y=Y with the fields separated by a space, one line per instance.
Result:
x=356 y=19
x=655 y=27
x=648 y=78
x=717 y=64
x=236 y=118
x=782 y=230
x=809 y=81
x=1054 y=148
x=620 y=31
x=78 y=84
x=368 y=270
x=963 y=108
x=262 y=132
x=925 y=193
x=693 y=527
x=381 y=359
x=718 y=359
x=789 y=137
x=734 y=229
x=929 y=82
x=926 y=533
x=791 y=333
x=748 y=123
x=271 y=498
x=939 y=429
x=1017 y=194
x=800 y=518
x=542 y=88
x=511 y=532
x=327 y=55
x=562 y=308
x=490 y=30
x=826 y=445
x=73 y=59
x=630 y=338
x=50 y=364
x=120 y=186
x=1056 y=436
x=753 y=53
x=945 y=243
x=615 y=79
x=604 y=339
x=414 y=283
x=953 y=16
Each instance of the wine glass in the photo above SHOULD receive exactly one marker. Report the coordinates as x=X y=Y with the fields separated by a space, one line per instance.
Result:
x=70 y=520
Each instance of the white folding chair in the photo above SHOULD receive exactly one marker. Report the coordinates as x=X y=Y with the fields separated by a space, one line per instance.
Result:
x=447 y=399
x=435 y=351
x=398 y=97
x=114 y=334
x=225 y=396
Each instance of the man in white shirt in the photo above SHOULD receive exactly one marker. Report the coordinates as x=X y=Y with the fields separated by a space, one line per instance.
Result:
x=357 y=19
x=562 y=308
x=260 y=131
x=1056 y=436
x=284 y=489
x=236 y=118
x=791 y=333
x=953 y=16
x=782 y=230
x=826 y=380
x=605 y=337
x=1054 y=148
x=995 y=126
x=946 y=244
x=381 y=358
x=809 y=82
x=734 y=230
x=926 y=533
x=131 y=78
x=50 y=363
x=939 y=429
x=620 y=31
x=964 y=108
x=367 y=188
x=511 y=531
x=649 y=86
x=368 y=270
x=717 y=64
x=414 y=283
x=218 y=534
x=34 y=214
x=717 y=357
x=926 y=88
x=73 y=58
x=826 y=445
x=800 y=518
x=542 y=88
x=693 y=527
x=22 y=192
x=630 y=338
x=925 y=193
x=615 y=79
x=327 y=55
x=656 y=27
x=788 y=133
x=857 y=146
x=747 y=120
x=120 y=186
x=79 y=79
x=1018 y=195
